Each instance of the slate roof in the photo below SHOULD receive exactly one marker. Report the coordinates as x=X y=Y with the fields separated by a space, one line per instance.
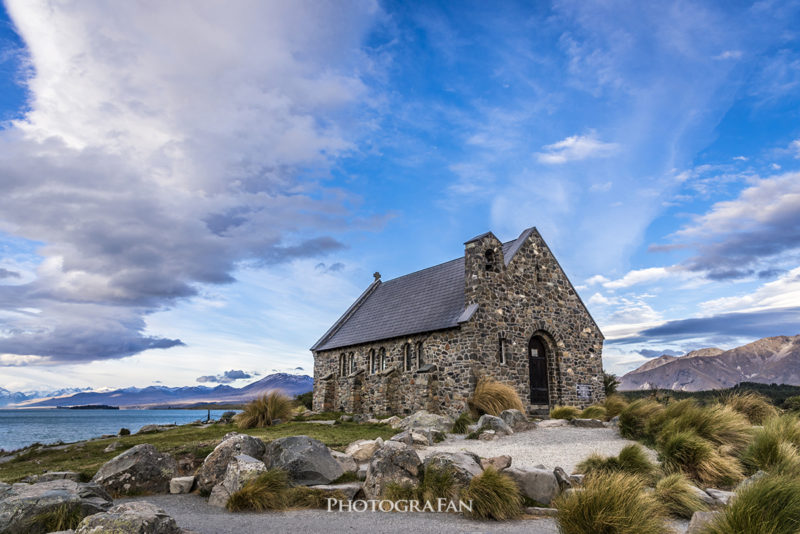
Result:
x=423 y=301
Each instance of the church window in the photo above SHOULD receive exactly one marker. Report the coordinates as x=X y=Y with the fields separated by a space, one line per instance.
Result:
x=502 y=354
x=352 y=359
x=372 y=363
x=382 y=353
x=407 y=360
x=420 y=359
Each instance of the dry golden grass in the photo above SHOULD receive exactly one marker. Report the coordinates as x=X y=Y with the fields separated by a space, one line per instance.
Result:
x=264 y=410
x=757 y=408
x=614 y=405
x=674 y=492
x=494 y=496
x=565 y=412
x=492 y=397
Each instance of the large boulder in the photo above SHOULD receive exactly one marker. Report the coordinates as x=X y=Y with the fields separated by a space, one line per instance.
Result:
x=497 y=462
x=491 y=422
x=413 y=438
x=394 y=462
x=362 y=450
x=241 y=470
x=308 y=461
x=463 y=465
x=138 y=517
x=541 y=485
x=53 y=475
x=23 y=505
x=699 y=522
x=349 y=465
x=216 y=463
x=180 y=485
x=514 y=418
x=423 y=419
x=140 y=469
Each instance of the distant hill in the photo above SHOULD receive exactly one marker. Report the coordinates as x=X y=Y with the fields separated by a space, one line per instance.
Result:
x=176 y=396
x=766 y=361
x=15 y=397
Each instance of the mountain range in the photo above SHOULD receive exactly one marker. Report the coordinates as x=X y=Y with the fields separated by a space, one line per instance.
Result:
x=174 y=396
x=766 y=361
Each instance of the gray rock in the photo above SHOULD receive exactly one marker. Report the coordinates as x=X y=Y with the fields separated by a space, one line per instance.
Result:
x=587 y=423
x=348 y=490
x=464 y=465
x=227 y=417
x=498 y=462
x=362 y=450
x=614 y=421
x=393 y=421
x=577 y=479
x=540 y=485
x=699 y=521
x=752 y=478
x=410 y=437
x=140 y=469
x=394 y=462
x=180 y=485
x=514 y=418
x=490 y=422
x=151 y=429
x=137 y=517
x=487 y=435
x=216 y=463
x=22 y=504
x=53 y=475
x=308 y=461
x=541 y=512
x=347 y=462
x=362 y=471
x=241 y=470
x=114 y=445
x=563 y=479
x=424 y=419
x=720 y=497
x=551 y=423
x=703 y=496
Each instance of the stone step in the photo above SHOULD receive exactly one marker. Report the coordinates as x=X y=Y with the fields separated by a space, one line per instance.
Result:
x=539 y=410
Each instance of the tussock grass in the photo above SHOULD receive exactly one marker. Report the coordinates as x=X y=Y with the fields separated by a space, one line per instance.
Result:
x=685 y=451
x=631 y=460
x=494 y=496
x=565 y=412
x=399 y=492
x=435 y=483
x=62 y=517
x=634 y=418
x=462 y=422
x=674 y=492
x=757 y=408
x=615 y=503
x=719 y=424
x=264 y=410
x=774 y=446
x=768 y=505
x=614 y=405
x=271 y=491
x=492 y=397
x=594 y=412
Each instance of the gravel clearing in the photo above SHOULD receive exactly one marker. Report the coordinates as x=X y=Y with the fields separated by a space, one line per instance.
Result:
x=557 y=446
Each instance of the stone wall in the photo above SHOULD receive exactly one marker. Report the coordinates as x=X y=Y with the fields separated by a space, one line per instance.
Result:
x=530 y=297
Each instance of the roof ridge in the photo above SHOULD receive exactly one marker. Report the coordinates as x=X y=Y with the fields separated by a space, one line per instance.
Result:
x=347 y=314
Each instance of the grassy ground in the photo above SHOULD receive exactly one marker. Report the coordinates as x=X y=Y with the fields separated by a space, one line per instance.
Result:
x=86 y=457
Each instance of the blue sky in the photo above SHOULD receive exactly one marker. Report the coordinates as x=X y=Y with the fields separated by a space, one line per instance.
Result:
x=194 y=188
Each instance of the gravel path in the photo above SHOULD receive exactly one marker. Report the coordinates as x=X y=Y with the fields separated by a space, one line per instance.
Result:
x=191 y=512
x=559 y=446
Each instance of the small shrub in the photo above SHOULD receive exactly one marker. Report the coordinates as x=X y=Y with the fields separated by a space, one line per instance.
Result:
x=674 y=492
x=687 y=452
x=631 y=460
x=124 y=432
x=615 y=503
x=610 y=383
x=770 y=504
x=792 y=404
x=494 y=496
x=462 y=422
x=265 y=492
x=262 y=411
x=305 y=399
x=399 y=492
x=304 y=497
x=473 y=435
x=757 y=408
x=614 y=405
x=492 y=397
x=62 y=517
x=437 y=483
x=594 y=412
x=719 y=424
x=565 y=412
x=634 y=418
x=773 y=445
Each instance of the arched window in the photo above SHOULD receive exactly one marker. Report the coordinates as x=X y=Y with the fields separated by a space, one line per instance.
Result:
x=342 y=368
x=372 y=365
x=490 y=261
x=502 y=356
x=382 y=353
x=420 y=359
x=352 y=366
x=407 y=359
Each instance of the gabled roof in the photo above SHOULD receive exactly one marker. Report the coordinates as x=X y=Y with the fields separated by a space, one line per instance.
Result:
x=423 y=301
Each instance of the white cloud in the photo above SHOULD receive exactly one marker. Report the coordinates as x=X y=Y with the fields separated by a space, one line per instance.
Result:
x=740 y=158
x=781 y=293
x=597 y=279
x=574 y=148
x=794 y=146
x=602 y=187
x=729 y=54
x=639 y=276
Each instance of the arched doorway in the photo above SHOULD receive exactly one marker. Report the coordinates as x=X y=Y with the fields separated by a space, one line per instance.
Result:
x=537 y=368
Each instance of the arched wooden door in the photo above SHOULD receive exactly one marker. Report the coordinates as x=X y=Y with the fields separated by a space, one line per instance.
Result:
x=537 y=365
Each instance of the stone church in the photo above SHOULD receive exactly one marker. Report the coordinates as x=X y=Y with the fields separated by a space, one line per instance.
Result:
x=421 y=341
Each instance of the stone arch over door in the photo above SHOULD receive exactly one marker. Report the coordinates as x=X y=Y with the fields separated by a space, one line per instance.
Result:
x=551 y=365
x=328 y=395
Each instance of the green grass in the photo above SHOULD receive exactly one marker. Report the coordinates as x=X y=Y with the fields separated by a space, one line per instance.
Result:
x=687 y=452
x=565 y=412
x=462 y=422
x=756 y=407
x=180 y=441
x=631 y=460
x=635 y=418
x=768 y=505
x=674 y=492
x=614 y=503
x=594 y=412
x=719 y=424
x=494 y=496
x=614 y=405
x=774 y=445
